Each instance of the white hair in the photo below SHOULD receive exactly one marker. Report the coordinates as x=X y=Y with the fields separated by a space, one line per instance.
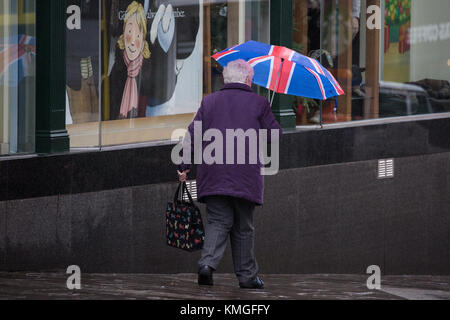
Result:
x=238 y=71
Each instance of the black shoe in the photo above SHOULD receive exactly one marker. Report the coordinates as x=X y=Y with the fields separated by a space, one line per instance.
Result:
x=205 y=276
x=255 y=283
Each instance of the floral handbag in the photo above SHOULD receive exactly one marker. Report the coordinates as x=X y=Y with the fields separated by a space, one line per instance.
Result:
x=184 y=226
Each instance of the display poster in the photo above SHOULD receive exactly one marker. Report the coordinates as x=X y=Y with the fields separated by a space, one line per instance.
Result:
x=150 y=55
x=396 y=42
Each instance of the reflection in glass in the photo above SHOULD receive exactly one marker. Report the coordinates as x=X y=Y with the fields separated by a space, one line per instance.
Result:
x=82 y=72
x=399 y=69
x=152 y=60
x=229 y=23
x=168 y=85
x=17 y=76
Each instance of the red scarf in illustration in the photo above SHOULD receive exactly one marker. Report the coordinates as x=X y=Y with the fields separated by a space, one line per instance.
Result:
x=130 y=92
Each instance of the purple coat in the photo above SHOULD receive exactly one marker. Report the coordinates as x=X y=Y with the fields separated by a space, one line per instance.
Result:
x=236 y=106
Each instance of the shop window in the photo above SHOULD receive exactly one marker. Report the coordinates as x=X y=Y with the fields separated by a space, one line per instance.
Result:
x=17 y=76
x=396 y=67
x=142 y=72
x=137 y=70
x=83 y=66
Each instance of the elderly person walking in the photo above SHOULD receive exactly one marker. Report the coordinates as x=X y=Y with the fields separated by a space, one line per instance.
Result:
x=231 y=191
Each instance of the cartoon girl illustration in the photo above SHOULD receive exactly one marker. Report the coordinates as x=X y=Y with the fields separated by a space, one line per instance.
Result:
x=135 y=50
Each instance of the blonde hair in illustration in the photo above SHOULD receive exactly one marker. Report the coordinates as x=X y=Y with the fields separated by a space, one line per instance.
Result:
x=137 y=9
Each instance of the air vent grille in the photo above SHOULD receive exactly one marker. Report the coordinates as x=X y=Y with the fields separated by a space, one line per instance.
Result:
x=385 y=168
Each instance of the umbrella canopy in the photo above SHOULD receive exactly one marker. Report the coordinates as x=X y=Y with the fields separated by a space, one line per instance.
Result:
x=283 y=70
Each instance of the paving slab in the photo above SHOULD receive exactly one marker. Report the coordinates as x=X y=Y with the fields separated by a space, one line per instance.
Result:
x=184 y=287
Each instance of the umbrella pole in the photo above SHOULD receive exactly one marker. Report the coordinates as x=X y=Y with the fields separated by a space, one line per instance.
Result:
x=276 y=83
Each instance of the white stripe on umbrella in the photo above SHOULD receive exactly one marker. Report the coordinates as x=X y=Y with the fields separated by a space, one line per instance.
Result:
x=292 y=55
x=226 y=54
x=335 y=88
x=269 y=80
x=319 y=82
x=316 y=66
x=253 y=62
x=288 y=84
x=336 y=85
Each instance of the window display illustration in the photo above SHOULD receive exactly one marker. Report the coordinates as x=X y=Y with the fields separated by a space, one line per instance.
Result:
x=135 y=48
x=170 y=31
x=396 y=42
x=148 y=55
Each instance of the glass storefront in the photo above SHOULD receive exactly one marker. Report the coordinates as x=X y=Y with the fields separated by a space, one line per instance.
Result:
x=391 y=57
x=17 y=76
x=137 y=70
x=153 y=60
x=83 y=61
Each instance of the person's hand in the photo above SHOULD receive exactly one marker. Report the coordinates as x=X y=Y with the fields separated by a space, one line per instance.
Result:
x=182 y=176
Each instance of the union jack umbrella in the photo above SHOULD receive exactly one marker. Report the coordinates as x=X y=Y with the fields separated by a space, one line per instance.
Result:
x=283 y=70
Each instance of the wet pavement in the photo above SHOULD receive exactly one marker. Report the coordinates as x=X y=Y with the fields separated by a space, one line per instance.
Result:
x=184 y=286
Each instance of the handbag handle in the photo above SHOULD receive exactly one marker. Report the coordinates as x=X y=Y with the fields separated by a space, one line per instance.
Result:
x=177 y=194
x=184 y=189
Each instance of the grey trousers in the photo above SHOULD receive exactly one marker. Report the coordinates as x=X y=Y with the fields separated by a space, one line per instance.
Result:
x=234 y=217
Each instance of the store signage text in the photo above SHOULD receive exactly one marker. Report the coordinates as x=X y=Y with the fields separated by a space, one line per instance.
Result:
x=151 y=14
x=429 y=33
